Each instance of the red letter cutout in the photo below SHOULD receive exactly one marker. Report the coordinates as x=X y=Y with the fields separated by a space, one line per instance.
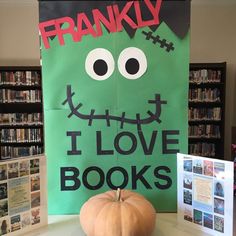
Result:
x=154 y=10
x=81 y=17
x=69 y=30
x=45 y=34
x=99 y=18
x=140 y=21
x=120 y=16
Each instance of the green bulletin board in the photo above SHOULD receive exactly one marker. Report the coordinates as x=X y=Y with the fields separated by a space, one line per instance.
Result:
x=115 y=87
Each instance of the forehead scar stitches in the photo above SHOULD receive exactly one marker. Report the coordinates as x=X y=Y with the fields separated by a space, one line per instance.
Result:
x=156 y=39
x=123 y=119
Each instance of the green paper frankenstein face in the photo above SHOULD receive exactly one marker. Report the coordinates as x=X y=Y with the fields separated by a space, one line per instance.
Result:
x=115 y=105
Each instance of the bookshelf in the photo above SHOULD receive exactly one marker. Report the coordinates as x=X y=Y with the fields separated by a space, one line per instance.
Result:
x=21 y=116
x=206 y=109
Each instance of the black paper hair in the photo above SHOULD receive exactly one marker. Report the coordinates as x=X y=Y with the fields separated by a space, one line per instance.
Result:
x=176 y=13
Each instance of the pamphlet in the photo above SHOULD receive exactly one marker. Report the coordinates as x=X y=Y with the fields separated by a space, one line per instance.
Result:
x=23 y=198
x=205 y=194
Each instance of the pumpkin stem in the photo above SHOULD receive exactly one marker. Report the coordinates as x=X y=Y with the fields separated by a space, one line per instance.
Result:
x=118 y=195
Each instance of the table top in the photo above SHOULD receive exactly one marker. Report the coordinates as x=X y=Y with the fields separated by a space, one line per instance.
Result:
x=69 y=225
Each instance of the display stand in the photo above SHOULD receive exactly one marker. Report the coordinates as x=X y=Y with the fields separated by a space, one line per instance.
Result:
x=166 y=225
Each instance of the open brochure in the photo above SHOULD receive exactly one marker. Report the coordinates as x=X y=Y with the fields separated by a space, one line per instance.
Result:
x=205 y=194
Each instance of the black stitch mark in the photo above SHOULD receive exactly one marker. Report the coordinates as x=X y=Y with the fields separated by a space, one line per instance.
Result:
x=76 y=108
x=92 y=116
x=67 y=100
x=158 y=111
x=122 y=120
x=107 y=117
x=138 y=121
x=156 y=39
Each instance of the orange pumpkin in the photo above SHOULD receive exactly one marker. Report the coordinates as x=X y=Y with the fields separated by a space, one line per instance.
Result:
x=118 y=213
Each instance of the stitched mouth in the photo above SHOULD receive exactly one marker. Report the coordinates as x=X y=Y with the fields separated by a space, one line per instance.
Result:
x=123 y=119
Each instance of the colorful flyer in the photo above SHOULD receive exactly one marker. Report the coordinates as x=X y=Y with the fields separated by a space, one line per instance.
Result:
x=205 y=194
x=23 y=195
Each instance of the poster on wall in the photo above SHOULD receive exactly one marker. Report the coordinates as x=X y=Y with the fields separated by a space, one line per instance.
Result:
x=115 y=87
x=205 y=194
x=23 y=198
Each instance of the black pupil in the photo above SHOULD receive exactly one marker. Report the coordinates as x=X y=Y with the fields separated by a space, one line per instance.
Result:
x=100 y=67
x=132 y=66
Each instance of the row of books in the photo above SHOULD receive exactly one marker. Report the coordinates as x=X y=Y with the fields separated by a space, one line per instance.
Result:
x=205 y=76
x=20 y=118
x=11 y=96
x=196 y=114
x=202 y=149
x=204 y=95
x=21 y=135
x=13 y=152
x=204 y=131
x=27 y=78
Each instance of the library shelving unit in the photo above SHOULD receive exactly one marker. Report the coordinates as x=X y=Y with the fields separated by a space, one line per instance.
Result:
x=206 y=109
x=21 y=121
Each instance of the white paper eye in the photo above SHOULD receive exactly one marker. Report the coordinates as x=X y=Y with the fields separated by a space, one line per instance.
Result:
x=132 y=63
x=99 y=64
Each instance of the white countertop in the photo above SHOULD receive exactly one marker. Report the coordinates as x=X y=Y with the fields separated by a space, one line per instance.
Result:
x=68 y=225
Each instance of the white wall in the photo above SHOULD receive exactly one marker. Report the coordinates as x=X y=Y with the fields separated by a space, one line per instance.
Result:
x=213 y=39
x=19 y=41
